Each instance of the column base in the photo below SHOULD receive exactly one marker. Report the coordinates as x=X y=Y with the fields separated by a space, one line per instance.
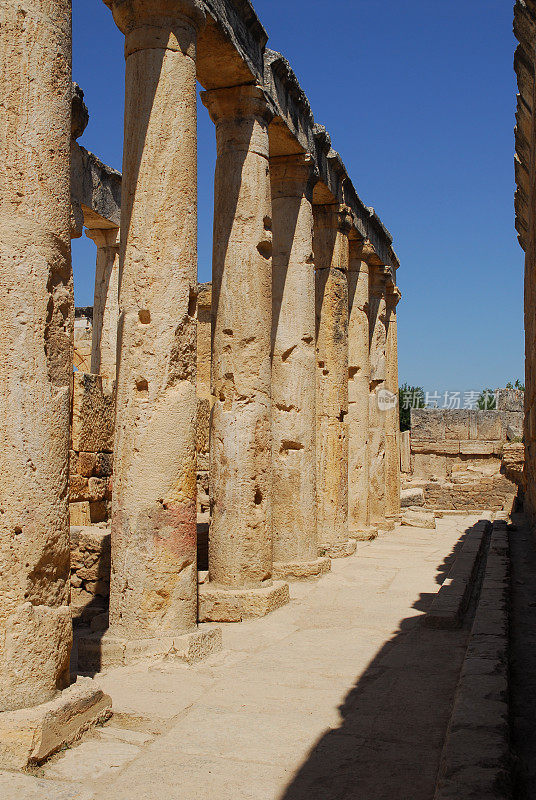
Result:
x=385 y=524
x=30 y=735
x=97 y=652
x=364 y=534
x=218 y=604
x=341 y=550
x=301 y=570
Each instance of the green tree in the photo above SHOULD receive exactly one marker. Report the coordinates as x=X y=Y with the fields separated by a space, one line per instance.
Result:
x=517 y=385
x=487 y=400
x=409 y=397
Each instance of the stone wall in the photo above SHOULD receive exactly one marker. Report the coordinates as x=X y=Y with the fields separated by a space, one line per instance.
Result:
x=91 y=455
x=90 y=571
x=457 y=455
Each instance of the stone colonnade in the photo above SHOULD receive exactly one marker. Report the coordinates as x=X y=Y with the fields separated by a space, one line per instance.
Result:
x=303 y=338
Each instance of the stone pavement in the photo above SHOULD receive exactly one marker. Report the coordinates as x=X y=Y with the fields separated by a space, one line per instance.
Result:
x=341 y=694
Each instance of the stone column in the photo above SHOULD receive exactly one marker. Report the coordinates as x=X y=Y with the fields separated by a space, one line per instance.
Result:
x=293 y=371
x=378 y=345
x=36 y=334
x=392 y=420
x=358 y=393
x=240 y=543
x=105 y=304
x=153 y=592
x=332 y=226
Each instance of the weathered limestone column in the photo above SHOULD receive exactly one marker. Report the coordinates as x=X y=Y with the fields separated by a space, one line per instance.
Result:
x=332 y=226
x=358 y=393
x=36 y=333
x=295 y=545
x=240 y=543
x=392 y=420
x=105 y=304
x=378 y=377
x=153 y=593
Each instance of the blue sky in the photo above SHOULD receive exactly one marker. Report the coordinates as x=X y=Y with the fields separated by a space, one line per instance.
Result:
x=419 y=98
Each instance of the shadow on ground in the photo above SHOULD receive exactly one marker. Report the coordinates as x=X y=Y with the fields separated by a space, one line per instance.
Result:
x=394 y=719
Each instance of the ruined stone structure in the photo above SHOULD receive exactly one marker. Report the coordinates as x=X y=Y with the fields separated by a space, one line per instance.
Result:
x=289 y=409
x=467 y=459
x=525 y=207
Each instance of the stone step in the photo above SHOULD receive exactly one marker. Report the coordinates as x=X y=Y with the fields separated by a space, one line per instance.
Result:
x=451 y=601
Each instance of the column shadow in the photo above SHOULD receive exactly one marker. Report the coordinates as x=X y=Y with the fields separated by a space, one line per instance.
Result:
x=394 y=719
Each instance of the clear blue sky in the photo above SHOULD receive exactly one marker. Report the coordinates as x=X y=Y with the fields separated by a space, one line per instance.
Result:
x=419 y=98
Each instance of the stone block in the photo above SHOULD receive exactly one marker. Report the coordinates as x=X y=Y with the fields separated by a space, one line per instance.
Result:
x=202 y=425
x=513 y=463
x=31 y=735
x=104 y=465
x=217 y=604
x=405 y=451
x=427 y=423
x=418 y=519
x=98 y=511
x=481 y=448
x=510 y=400
x=99 y=652
x=301 y=570
x=512 y=422
x=78 y=488
x=97 y=489
x=426 y=465
x=411 y=497
x=451 y=448
x=79 y=513
x=92 y=415
x=86 y=464
x=457 y=424
x=489 y=426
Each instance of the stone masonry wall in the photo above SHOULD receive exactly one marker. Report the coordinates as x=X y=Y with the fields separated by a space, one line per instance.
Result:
x=457 y=455
x=91 y=464
x=91 y=456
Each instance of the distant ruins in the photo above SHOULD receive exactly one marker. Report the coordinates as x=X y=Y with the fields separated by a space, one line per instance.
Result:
x=466 y=459
x=295 y=385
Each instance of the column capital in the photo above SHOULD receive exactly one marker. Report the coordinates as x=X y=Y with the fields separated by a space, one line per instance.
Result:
x=158 y=24
x=238 y=102
x=104 y=237
x=378 y=286
x=293 y=175
x=357 y=260
x=394 y=296
x=333 y=216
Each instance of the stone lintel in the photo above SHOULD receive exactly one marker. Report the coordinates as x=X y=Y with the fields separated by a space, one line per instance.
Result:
x=301 y=570
x=30 y=735
x=98 y=652
x=218 y=604
x=96 y=188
